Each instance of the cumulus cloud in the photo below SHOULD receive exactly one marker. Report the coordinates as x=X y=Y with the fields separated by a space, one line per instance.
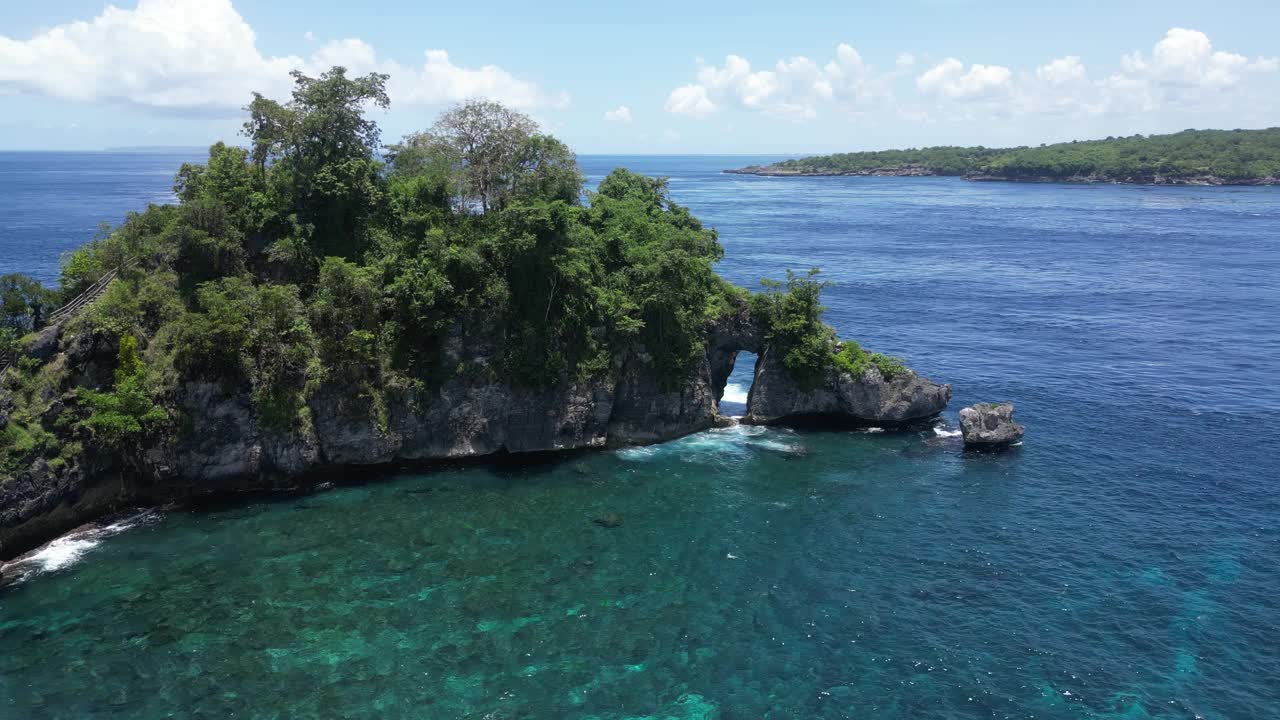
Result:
x=1062 y=71
x=794 y=87
x=201 y=55
x=621 y=114
x=1182 y=70
x=950 y=79
x=1187 y=58
x=690 y=100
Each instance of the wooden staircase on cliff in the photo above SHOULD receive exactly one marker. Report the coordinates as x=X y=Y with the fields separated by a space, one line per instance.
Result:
x=71 y=309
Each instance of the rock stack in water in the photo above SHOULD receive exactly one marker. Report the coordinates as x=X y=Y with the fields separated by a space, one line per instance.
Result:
x=989 y=425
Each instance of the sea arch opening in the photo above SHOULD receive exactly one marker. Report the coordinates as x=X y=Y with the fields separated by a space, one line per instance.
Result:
x=737 y=387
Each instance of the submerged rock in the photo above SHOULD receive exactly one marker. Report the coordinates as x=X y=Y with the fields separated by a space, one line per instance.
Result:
x=609 y=520
x=840 y=398
x=989 y=424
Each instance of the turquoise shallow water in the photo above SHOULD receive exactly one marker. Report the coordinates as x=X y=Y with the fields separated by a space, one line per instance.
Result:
x=1120 y=564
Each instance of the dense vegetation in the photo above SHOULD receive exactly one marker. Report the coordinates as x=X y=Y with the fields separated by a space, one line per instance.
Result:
x=942 y=160
x=308 y=258
x=1223 y=155
x=316 y=255
x=790 y=314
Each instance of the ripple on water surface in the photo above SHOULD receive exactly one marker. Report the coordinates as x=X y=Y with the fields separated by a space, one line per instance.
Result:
x=1120 y=564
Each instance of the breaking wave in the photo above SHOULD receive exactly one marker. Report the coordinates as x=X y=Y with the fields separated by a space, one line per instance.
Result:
x=712 y=446
x=735 y=393
x=70 y=548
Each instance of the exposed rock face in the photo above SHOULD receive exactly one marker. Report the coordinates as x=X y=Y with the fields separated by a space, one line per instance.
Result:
x=646 y=410
x=224 y=446
x=41 y=502
x=989 y=424
x=871 y=400
x=45 y=343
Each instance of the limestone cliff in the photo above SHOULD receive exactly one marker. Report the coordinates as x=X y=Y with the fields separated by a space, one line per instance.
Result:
x=839 y=398
x=223 y=445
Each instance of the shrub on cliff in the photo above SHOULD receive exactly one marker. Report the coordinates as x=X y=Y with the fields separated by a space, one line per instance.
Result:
x=122 y=417
x=856 y=361
x=791 y=315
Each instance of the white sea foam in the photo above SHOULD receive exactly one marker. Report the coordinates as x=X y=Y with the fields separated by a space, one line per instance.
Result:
x=735 y=393
x=62 y=552
x=70 y=548
x=713 y=446
x=943 y=432
x=637 y=453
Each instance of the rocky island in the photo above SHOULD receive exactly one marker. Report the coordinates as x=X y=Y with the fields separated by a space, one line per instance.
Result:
x=1191 y=157
x=308 y=307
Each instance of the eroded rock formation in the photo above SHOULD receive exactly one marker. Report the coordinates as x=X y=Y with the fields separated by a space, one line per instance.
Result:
x=841 y=399
x=989 y=425
x=224 y=445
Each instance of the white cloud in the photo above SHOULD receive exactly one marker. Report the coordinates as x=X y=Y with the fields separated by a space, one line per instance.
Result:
x=949 y=79
x=794 y=88
x=1186 y=59
x=201 y=55
x=1062 y=71
x=1182 y=72
x=439 y=80
x=690 y=100
x=621 y=114
x=308 y=35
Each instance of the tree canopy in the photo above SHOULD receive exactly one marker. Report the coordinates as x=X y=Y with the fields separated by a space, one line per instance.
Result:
x=311 y=257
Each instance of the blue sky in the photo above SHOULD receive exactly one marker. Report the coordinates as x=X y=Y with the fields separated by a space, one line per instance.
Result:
x=653 y=77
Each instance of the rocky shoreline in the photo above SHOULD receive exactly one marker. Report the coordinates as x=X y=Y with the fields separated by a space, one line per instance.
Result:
x=922 y=171
x=1193 y=180
x=227 y=449
x=889 y=171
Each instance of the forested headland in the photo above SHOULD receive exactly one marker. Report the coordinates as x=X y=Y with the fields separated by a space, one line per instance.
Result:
x=455 y=293
x=1191 y=157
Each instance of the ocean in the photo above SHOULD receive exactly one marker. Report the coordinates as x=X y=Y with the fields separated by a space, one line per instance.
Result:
x=1121 y=563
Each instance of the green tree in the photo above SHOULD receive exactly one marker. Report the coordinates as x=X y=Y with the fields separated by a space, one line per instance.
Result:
x=791 y=315
x=494 y=155
x=346 y=312
x=24 y=302
x=318 y=155
x=123 y=417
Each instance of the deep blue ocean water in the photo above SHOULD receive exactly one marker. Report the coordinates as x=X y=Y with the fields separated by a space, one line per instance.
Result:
x=1124 y=562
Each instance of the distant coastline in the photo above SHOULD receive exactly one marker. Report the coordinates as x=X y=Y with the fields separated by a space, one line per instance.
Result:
x=1197 y=180
x=1191 y=157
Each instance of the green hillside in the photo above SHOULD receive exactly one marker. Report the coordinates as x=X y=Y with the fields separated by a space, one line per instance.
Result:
x=1208 y=156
